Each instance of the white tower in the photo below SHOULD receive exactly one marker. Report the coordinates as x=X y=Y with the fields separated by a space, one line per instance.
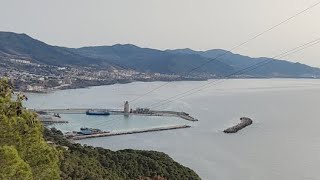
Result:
x=126 y=108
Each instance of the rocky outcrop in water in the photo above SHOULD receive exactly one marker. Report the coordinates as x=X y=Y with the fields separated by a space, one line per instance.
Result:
x=244 y=123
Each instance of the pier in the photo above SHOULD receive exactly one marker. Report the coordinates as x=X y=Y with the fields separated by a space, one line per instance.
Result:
x=108 y=134
x=49 y=120
x=182 y=115
x=87 y=132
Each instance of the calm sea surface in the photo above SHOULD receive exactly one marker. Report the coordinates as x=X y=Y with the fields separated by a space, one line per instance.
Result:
x=283 y=142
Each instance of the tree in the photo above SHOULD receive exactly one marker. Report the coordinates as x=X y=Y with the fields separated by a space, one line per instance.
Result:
x=25 y=155
x=21 y=130
x=12 y=166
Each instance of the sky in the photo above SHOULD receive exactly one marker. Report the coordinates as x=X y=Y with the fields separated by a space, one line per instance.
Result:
x=169 y=24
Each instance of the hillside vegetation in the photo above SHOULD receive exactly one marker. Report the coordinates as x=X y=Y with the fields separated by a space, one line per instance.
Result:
x=86 y=162
x=25 y=154
x=128 y=56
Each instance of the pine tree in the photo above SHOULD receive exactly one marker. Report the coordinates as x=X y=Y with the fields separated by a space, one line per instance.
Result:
x=21 y=130
x=12 y=167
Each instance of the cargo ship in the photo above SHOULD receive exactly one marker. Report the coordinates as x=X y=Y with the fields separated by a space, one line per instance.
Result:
x=98 y=112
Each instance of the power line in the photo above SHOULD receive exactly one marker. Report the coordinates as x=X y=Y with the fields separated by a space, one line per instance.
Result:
x=223 y=54
x=218 y=81
x=248 y=69
x=242 y=71
x=234 y=48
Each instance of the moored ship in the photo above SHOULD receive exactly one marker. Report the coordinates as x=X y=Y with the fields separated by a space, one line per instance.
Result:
x=98 y=112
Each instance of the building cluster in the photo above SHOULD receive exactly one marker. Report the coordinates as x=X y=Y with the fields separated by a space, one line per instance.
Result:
x=127 y=110
x=142 y=111
x=29 y=76
x=23 y=61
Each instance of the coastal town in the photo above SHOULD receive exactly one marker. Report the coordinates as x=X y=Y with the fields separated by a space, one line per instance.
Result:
x=27 y=76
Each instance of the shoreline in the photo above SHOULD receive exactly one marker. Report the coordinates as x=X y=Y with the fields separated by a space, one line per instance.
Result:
x=46 y=91
x=102 y=84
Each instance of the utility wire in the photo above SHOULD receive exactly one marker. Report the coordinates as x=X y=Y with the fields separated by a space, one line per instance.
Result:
x=234 y=48
x=218 y=81
x=223 y=54
x=242 y=71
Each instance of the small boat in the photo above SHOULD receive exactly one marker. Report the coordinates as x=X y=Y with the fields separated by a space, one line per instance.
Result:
x=98 y=112
x=57 y=115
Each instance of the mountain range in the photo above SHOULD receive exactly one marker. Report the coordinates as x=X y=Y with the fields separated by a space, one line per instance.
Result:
x=128 y=56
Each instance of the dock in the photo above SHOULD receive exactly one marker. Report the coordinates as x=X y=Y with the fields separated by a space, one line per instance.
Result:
x=182 y=115
x=80 y=137
x=49 y=120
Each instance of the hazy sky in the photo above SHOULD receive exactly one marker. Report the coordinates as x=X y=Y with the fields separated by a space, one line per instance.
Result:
x=168 y=24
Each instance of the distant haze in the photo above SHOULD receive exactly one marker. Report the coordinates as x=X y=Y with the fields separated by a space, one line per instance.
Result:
x=168 y=24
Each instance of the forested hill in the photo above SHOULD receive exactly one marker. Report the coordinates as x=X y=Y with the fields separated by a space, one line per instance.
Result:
x=152 y=60
x=26 y=155
x=86 y=162
x=276 y=68
x=128 y=56
x=22 y=46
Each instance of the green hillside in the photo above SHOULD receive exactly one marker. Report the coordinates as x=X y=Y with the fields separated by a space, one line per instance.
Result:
x=25 y=153
x=128 y=56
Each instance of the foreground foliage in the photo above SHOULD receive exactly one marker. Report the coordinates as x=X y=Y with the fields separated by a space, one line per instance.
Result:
x=26 y=155
x=86 y=162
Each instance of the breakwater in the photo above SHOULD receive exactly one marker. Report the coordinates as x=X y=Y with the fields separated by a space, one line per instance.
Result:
x=50 y=119
x=107 y=134
x=182 y=115
x=244 y=123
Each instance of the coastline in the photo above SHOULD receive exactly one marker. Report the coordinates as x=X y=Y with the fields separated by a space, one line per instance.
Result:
x=95 y=84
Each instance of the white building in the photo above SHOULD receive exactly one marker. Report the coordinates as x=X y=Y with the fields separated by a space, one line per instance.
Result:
x=35 y=88
x=126 y=107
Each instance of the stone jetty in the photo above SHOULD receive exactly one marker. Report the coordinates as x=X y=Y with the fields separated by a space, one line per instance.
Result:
x=244 y=123
x=107 y=134
x=48 y=119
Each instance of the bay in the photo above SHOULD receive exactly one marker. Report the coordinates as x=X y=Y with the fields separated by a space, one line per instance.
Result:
x=282 y=143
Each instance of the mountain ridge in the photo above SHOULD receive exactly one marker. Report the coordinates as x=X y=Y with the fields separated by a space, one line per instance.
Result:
x=129 y=56
x=37 y=51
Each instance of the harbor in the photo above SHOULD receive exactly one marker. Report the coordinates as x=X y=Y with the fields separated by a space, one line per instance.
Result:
x=89 y=129
x=182 y=115
x=126 y=112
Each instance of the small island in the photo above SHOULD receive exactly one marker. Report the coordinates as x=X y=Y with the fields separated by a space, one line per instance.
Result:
x=244 y=123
